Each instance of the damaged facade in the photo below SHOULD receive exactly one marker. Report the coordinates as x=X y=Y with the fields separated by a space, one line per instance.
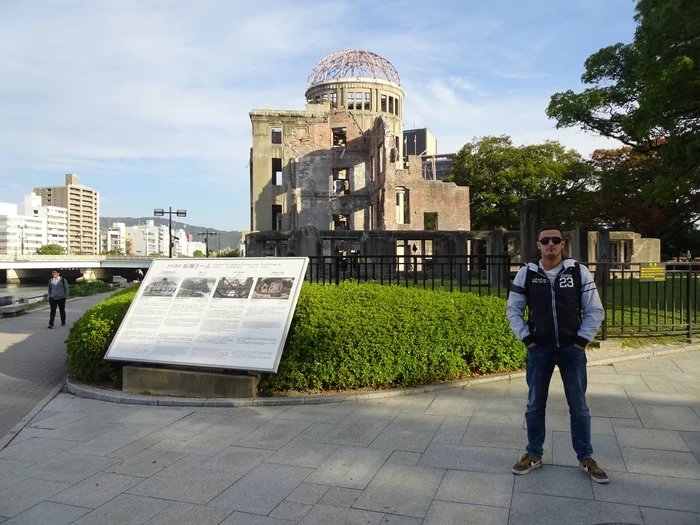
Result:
x=340 y=164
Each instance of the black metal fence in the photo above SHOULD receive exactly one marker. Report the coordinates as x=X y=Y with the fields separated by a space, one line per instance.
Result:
x=635 y=307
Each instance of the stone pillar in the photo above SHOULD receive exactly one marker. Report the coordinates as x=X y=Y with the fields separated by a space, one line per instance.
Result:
x=578 y=244
x=530 y=219
x=602 y=268
x=497 y=268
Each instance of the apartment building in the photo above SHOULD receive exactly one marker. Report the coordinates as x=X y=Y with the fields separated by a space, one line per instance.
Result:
x=20 y=234
x=56 y=219
x=83 y=205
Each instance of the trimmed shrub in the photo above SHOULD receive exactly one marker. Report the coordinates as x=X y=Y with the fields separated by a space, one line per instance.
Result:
x=370 y=335
x=89 y=288
x=90 y=336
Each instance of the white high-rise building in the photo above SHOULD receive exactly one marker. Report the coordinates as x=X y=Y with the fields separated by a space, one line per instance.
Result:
x=148 y=238
x=20 y=234
x=114 y=239
x=56 y=219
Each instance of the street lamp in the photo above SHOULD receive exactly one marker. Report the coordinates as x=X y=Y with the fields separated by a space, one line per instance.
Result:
x=21 y=229
x=206 y=235
x=159 y=212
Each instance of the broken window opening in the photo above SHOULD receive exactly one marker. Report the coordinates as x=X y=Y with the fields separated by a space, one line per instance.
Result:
x=378 y=167
x=371 y=216
x=396 y=107
x=351 y=100
x=334 y=100
x=372 y=168
x=276 y=216
x=383 y=103
x=276 y=135
x=276 y=172
x=340 y=136
x=403 y=215
x=341 y=222
x=430 y=221
x=368 y=101
x=324 y=98
x=340 y=184
x=391 y=104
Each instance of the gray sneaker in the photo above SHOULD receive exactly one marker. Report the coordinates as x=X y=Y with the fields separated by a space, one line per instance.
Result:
x=526 y=464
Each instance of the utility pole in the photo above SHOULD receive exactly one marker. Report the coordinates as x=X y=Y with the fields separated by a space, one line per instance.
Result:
x=21 y=230
x=206 y=235
x=159 y=212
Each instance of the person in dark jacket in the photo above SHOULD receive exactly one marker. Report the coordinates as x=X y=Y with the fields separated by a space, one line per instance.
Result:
x=58 y=293
x=556 y=290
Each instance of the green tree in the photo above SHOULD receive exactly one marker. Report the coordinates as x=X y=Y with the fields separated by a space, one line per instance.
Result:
x=51 y=249
x=646 y=95
x=231 y=252
x=198 y=253
x=500 y=175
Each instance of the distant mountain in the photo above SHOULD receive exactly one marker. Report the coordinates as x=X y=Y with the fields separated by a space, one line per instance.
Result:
x=226 y=239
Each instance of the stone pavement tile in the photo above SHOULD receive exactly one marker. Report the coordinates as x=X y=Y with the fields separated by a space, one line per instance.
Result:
x=85 y=429
x=452 y=430
x=308 y=493
x=648 y=366
x=395 y=519
x=610 y=406
x=626 y=423
x=538 y=509
x=668 y=517
x=488 y=404
x=401 y=489
x=324 y=515
x=493 y=416
x=316 y=433
x=8 y=479
x=651 y=491
x=497 y=437
x=461 y=457
x=661 y=463
x=133 y=431
x=102 y=445
x=605 y=451
x=443 y=512
x=479 y=488
x=356 y=431
x=193 y=485
x=69 y=467
x=451 y=404
x=687 y=387
x=291 y=510
x=669 y=417
x=650 y=438
x=152 y=415
x=616 y=379
x=188 y=514
x=36 y=449
x=661 y=398
x=125 y=510
x=203 y=445
x=48 y=513
x=248 y=415
x=95 y=490
x=492 y=389
x=237 y=459
x=330 y=413
x=66 y=403
x=402 y=439
x=135 y=447
x=411 y=404
x=262 y=489
x=417 y=422
x=273 y=435
x=146 y=463
x=400 y=457
x=375 y=409
x=340 y=497
x=189 y=426
x=349 y=467
x=302 y=454
x=691 y=439
x=242 y=518
x=230 y=427
x=25 y=494
x=57 y=420
x=660 y=384
x=11 y=465
x=688 y=363
x=556 y=481
x=28 y=433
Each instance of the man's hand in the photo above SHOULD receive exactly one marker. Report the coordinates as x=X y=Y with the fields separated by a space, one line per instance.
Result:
x=579 y=347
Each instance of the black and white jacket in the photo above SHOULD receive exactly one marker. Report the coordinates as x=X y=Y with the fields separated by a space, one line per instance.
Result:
x=555 y=310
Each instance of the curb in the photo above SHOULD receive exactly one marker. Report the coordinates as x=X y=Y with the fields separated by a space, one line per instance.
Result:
x=80 y=389
x=7 y=438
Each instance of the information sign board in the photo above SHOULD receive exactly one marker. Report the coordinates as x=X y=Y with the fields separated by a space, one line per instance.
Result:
x=652 y=272
x=231 y=313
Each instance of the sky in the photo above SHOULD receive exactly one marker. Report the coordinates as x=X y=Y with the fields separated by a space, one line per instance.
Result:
x=148 y=100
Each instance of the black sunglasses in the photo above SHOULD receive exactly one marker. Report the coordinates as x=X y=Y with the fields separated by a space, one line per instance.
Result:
x=545 y=240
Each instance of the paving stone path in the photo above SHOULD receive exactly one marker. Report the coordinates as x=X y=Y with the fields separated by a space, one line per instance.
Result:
x=434 y=458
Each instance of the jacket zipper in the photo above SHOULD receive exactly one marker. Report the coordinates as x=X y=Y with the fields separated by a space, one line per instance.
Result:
x=554 y=303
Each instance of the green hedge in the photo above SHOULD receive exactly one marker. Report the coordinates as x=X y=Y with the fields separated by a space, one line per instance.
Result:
x=369 y=335
x=90 y=336
x=349 y=336
x=89 y=288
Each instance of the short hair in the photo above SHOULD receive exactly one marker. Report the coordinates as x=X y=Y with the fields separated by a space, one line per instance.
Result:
x=55 y=271
x=550 y=227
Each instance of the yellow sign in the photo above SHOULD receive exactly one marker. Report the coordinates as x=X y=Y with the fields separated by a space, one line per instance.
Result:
x=652 y=272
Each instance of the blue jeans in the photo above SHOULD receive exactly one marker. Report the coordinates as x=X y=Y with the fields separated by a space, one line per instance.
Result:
x=572 y=367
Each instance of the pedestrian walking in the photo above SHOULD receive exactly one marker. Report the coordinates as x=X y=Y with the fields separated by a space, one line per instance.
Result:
x=139 y=275
x=556 y=290
x=58 y=293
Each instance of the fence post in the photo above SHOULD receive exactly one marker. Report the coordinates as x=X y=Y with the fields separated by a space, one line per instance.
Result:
x=604 y=281
x=688 y=303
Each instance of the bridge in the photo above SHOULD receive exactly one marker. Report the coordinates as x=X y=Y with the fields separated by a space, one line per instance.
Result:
x=35 y=268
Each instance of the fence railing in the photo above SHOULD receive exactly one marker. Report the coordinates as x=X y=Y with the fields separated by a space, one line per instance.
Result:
x=634 y=307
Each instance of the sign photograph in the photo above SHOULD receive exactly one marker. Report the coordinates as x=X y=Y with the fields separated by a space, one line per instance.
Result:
x=231 y=313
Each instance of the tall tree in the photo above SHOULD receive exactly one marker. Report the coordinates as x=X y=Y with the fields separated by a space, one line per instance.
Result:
x=500 y=175
x=51 y=249
x=646 y=94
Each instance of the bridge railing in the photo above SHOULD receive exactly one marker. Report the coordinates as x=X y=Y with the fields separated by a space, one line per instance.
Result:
x=36 y=257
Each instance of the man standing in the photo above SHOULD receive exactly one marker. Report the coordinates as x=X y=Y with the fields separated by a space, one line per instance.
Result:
x=58 y=292
x=556 y=290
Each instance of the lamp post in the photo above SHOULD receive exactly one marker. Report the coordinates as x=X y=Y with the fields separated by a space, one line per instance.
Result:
x=206 y=235
x=21 y=230
x=159 y=212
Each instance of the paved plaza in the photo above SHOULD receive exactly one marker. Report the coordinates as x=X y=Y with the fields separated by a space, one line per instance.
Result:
x=433 y=458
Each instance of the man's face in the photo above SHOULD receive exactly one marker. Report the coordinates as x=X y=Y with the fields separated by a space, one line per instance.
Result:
x=54 y=274
x=547 y=245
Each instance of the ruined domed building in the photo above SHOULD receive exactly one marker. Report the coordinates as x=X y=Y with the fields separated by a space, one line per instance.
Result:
x=340 y=164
